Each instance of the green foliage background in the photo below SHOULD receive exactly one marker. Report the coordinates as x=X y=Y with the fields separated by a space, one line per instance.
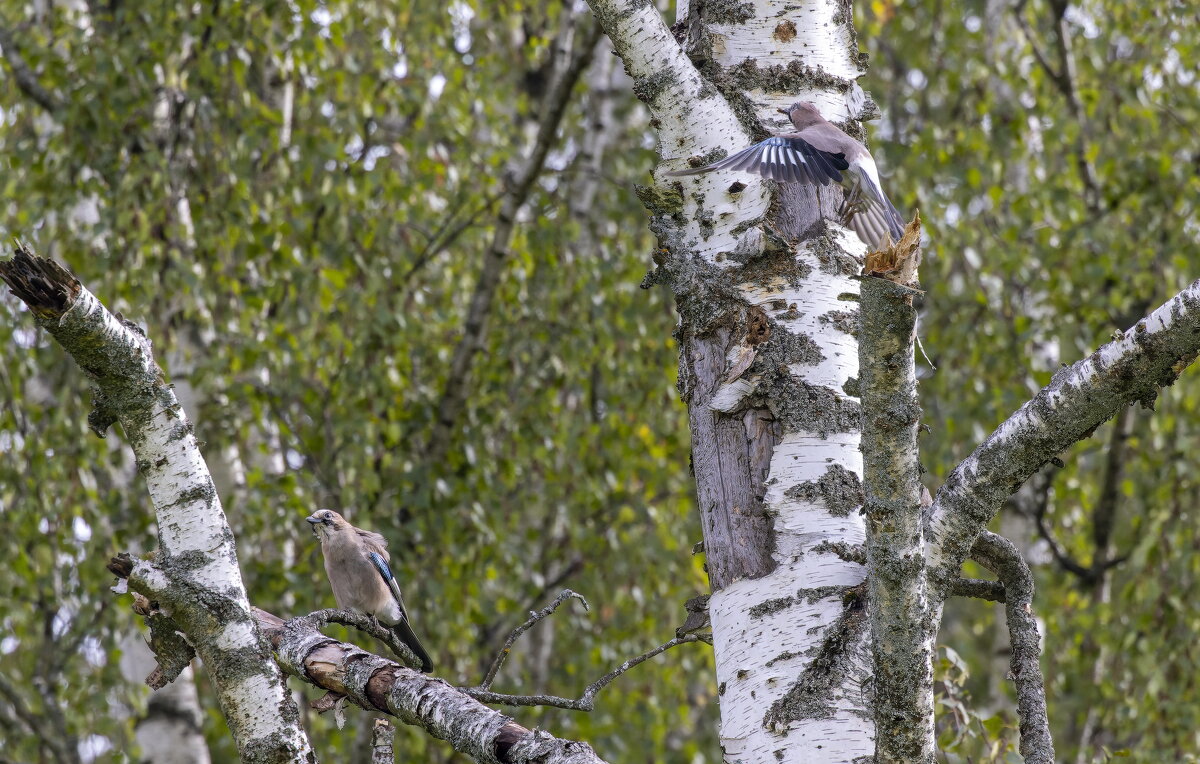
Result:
x=310 y=305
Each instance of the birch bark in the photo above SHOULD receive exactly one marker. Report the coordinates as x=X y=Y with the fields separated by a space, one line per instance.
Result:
x=1080 y=397
x=898 y=597
x=194 y=576
x=445 y=712
x=768 y=363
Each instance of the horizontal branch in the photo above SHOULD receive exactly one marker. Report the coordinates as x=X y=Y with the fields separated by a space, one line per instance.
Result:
x=1078 y=399
x=369 y=681
x=976 y=588
x=367 y=625
x=445 y=712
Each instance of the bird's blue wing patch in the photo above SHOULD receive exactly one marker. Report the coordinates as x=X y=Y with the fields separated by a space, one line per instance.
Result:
x=381 y=565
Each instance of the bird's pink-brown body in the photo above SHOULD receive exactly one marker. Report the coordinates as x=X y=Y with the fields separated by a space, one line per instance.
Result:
x=356 y=562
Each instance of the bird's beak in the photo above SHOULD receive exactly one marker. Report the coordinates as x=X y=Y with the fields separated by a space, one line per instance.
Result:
x=313 y=520
x=783 y=111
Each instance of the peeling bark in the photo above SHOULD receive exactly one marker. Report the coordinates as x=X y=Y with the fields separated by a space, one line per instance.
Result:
x=445 y=712
x=383 y=733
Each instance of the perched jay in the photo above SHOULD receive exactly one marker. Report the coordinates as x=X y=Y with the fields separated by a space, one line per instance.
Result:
x=356 y=562
x=817 y=153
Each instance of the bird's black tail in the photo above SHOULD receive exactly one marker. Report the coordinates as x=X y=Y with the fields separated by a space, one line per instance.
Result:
x=405 y=632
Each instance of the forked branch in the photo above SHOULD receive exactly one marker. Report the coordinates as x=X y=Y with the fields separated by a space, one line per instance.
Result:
x=1078 y=399
x=516 y=633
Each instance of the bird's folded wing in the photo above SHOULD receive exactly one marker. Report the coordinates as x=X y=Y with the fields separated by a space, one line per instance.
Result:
x=374 y=541
x=783 y=158
x=403 y=627
x=386 y=572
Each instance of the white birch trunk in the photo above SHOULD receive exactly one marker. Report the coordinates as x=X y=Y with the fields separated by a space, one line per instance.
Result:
x=194 y=576
x=767 y=365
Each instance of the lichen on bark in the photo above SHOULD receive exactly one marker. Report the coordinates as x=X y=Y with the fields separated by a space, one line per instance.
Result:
x=839 y=489
x=810 y=697
x=804 y=407
x=795 y=76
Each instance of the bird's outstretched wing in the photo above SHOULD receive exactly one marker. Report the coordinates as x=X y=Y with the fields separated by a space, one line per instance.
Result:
x=867 y=209
x=784 y=158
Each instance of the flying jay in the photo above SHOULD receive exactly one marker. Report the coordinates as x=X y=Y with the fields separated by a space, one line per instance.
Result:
x=819 y=152
x=356 y=562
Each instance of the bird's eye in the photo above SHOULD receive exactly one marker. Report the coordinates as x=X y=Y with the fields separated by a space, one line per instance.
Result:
x=328 y=515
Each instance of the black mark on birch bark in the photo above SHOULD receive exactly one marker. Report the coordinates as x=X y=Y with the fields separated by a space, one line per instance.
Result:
x=842 y=320
x=792 y=78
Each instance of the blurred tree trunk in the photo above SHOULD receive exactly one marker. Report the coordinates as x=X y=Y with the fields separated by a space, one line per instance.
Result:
x=170 y=731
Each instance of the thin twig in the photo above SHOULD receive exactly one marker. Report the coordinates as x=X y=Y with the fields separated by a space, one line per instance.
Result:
x=562 y=597
x=1064 y=80
x=555 y=581
x=921 y=347
x=586 y=701
x=1066 y=64
x=1067 y=562
x=568 y=570
x=446 y=236
x=1038 y=53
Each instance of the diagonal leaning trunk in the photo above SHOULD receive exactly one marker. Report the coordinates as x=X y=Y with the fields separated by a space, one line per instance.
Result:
x=768 y=363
